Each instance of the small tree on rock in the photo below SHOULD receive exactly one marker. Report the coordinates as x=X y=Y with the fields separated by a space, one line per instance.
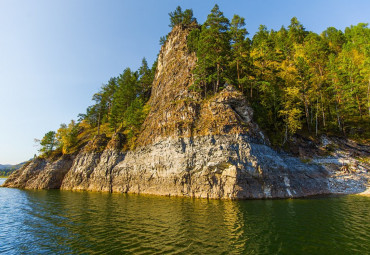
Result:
x=181 y=17
x=48 y=142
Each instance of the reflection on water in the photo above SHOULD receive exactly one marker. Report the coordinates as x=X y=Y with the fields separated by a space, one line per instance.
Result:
x=63 y=222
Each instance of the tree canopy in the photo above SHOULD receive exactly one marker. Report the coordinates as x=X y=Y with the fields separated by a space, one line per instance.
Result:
x=297 y=81
x=181 y=17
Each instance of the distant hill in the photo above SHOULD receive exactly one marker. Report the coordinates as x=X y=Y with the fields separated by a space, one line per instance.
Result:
x=5 y=166
x=13 y=167
x=6 y=170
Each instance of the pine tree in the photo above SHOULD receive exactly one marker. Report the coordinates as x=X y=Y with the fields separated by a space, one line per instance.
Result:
x=175 y=17
x=336 y=90
x=179 y=17
x=48 y=142
x=296 y=31
x=240 y=48
x=291 y=111
x=335 y=39
x=213 y=50
x=126 y=92
x=67 y=136
x=146 y=76
x=316 y=53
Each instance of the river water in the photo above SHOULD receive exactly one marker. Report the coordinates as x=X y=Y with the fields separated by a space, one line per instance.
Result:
x=65 y=222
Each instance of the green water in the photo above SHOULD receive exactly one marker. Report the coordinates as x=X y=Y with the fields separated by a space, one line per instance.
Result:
x=63 y=222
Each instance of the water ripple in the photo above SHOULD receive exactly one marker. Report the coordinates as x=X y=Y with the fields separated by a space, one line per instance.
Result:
x=63 y=222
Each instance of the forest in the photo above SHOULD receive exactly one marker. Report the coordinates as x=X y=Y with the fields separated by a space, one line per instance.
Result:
x=298 y=82
x=6 y=172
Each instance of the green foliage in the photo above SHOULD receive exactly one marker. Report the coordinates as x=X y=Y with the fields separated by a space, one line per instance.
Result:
x=162 y=40
x=193 y=40
x=67 y=136
x=240 y=63
x=48 y=142
x=126 y=92
x=212 y=50
x=6 y=172
x=296 y=80
x=134 y=117
x=178 y=17
x=99 y=112
x=291 y=111
x=334 y=39
x=146 y=77
x=296 y=32
x=120 y=106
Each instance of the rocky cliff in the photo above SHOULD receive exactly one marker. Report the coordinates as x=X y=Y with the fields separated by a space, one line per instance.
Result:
x=187 y=147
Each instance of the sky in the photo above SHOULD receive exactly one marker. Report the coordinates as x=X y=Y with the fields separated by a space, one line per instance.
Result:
x=54 y=55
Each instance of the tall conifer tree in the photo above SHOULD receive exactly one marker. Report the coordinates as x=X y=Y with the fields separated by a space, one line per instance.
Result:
x=213 y=50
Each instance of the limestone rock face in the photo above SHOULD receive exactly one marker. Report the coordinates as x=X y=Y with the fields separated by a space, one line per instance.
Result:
x=92 y=171
x=40 y=174
x=187 y=147
x=174 y=107
x=222 y=166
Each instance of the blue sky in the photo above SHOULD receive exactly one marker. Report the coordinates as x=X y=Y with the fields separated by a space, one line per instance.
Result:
x=54 y=55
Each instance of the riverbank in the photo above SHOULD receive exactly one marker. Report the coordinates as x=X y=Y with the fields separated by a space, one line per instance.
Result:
x=365 y=193
x=223 y=167
x=350 y=183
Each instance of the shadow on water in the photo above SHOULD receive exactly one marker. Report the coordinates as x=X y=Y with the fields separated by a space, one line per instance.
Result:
x=64 y=222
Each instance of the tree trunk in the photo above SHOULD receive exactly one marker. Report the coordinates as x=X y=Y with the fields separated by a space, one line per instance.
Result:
x=204 y=79
x=357 y=99
x=312 y=114
x=307 y=115
x=322 y=109
x=338 y=102
x=368 y=96
x=252 y=89
x=338 y=118
x=317 y=111
x=218 y=78
x=99 y=124
x=359 y=105
x=286 y=134
x=306 y=109
x=237 y=71
x=205 y=89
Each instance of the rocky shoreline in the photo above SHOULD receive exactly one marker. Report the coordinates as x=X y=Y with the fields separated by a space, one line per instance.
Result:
x=199 y=148
x=217 y=167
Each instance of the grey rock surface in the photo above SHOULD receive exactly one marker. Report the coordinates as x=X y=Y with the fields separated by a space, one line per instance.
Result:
x=217 y=167
x=224 y=166
x=40 y=174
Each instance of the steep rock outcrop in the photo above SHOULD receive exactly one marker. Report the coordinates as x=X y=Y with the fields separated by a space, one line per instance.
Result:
x=174 y=108
x=91 y=170
x=187 y=147
x=40 y=174
x=221 y=166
